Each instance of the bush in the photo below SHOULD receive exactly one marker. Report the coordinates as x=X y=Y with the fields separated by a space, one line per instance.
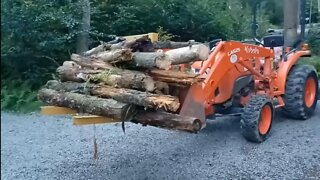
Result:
x=18 y=96
x=314 y=40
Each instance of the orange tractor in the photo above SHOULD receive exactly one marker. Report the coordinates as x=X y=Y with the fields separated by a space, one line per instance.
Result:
x=245 y=79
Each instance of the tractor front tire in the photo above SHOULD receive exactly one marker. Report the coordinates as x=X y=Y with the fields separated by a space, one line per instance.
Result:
x=301 y=93
x=257 y=117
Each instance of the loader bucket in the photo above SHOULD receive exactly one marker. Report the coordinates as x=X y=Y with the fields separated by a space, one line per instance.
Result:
x=193 y=104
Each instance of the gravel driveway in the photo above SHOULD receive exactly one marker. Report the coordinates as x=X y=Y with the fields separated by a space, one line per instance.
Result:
x=39 y=147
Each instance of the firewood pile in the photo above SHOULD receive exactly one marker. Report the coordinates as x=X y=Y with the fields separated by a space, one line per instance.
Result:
x=119 y=79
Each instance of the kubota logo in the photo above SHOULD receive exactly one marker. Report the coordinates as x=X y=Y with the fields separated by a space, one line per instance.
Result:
x=251 y=50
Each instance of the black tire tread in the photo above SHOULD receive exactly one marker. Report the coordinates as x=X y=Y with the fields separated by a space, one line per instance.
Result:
x=294 y=93
x=249 y=123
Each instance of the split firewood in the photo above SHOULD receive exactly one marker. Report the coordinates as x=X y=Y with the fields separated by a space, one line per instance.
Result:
x=88 y=104
x=114 y=77
x=131 y=96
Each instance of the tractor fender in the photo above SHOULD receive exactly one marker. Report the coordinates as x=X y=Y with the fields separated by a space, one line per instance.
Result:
x=285 y=67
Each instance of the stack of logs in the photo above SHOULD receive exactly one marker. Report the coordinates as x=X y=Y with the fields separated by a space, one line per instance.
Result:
x=124 y=79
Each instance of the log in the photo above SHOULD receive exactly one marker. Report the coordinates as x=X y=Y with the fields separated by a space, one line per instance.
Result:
x=175 y=77
x=104 y=46
x=142 y=44
x=114 y=77
x=88 y=104
x=151 y=60
x=168 y=121
x=188 y=54
x=149 y=100
x=112 y=56
x=164 y=60
x=90 y=63
x=172 y=44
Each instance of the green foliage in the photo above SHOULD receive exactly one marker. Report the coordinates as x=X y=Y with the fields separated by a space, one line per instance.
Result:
x=164 y=35
x=18 y=96
x=314 y=40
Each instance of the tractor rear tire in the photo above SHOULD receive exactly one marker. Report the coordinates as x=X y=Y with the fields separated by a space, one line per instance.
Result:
x=257 y=117
x=301 y=93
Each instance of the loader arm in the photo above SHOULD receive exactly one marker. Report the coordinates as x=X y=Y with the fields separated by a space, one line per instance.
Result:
x=228 y=56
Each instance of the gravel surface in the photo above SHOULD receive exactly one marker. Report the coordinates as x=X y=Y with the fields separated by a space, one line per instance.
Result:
x=46 y=147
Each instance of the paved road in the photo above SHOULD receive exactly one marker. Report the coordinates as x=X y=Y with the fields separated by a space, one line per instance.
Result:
x=37 y=147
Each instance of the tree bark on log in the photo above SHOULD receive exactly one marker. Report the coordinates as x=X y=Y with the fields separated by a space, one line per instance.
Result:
x=113 y=77
x=88 y=104
x=155 y=101
x=168 y=121
x=112 y=56
x=188 y=54
x=175 y=77
x=171 y=44
x=149 y=60
x=103 y=47
x=90 y=63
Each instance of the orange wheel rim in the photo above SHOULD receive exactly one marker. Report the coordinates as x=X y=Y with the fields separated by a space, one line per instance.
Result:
x=265 y=119
x=310 y=92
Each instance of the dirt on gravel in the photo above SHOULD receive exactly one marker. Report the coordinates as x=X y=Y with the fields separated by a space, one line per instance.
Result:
x=51 y=147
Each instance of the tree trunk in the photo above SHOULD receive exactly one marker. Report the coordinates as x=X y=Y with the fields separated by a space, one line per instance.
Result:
x=113 y=77
x=83 y=37
x=167 y=102
x=88 y=104
x=290 y=9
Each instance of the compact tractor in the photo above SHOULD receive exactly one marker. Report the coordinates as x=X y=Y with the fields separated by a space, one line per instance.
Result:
x=246 y=79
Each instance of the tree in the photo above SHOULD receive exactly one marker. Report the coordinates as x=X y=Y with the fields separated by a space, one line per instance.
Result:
x=82 y=43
